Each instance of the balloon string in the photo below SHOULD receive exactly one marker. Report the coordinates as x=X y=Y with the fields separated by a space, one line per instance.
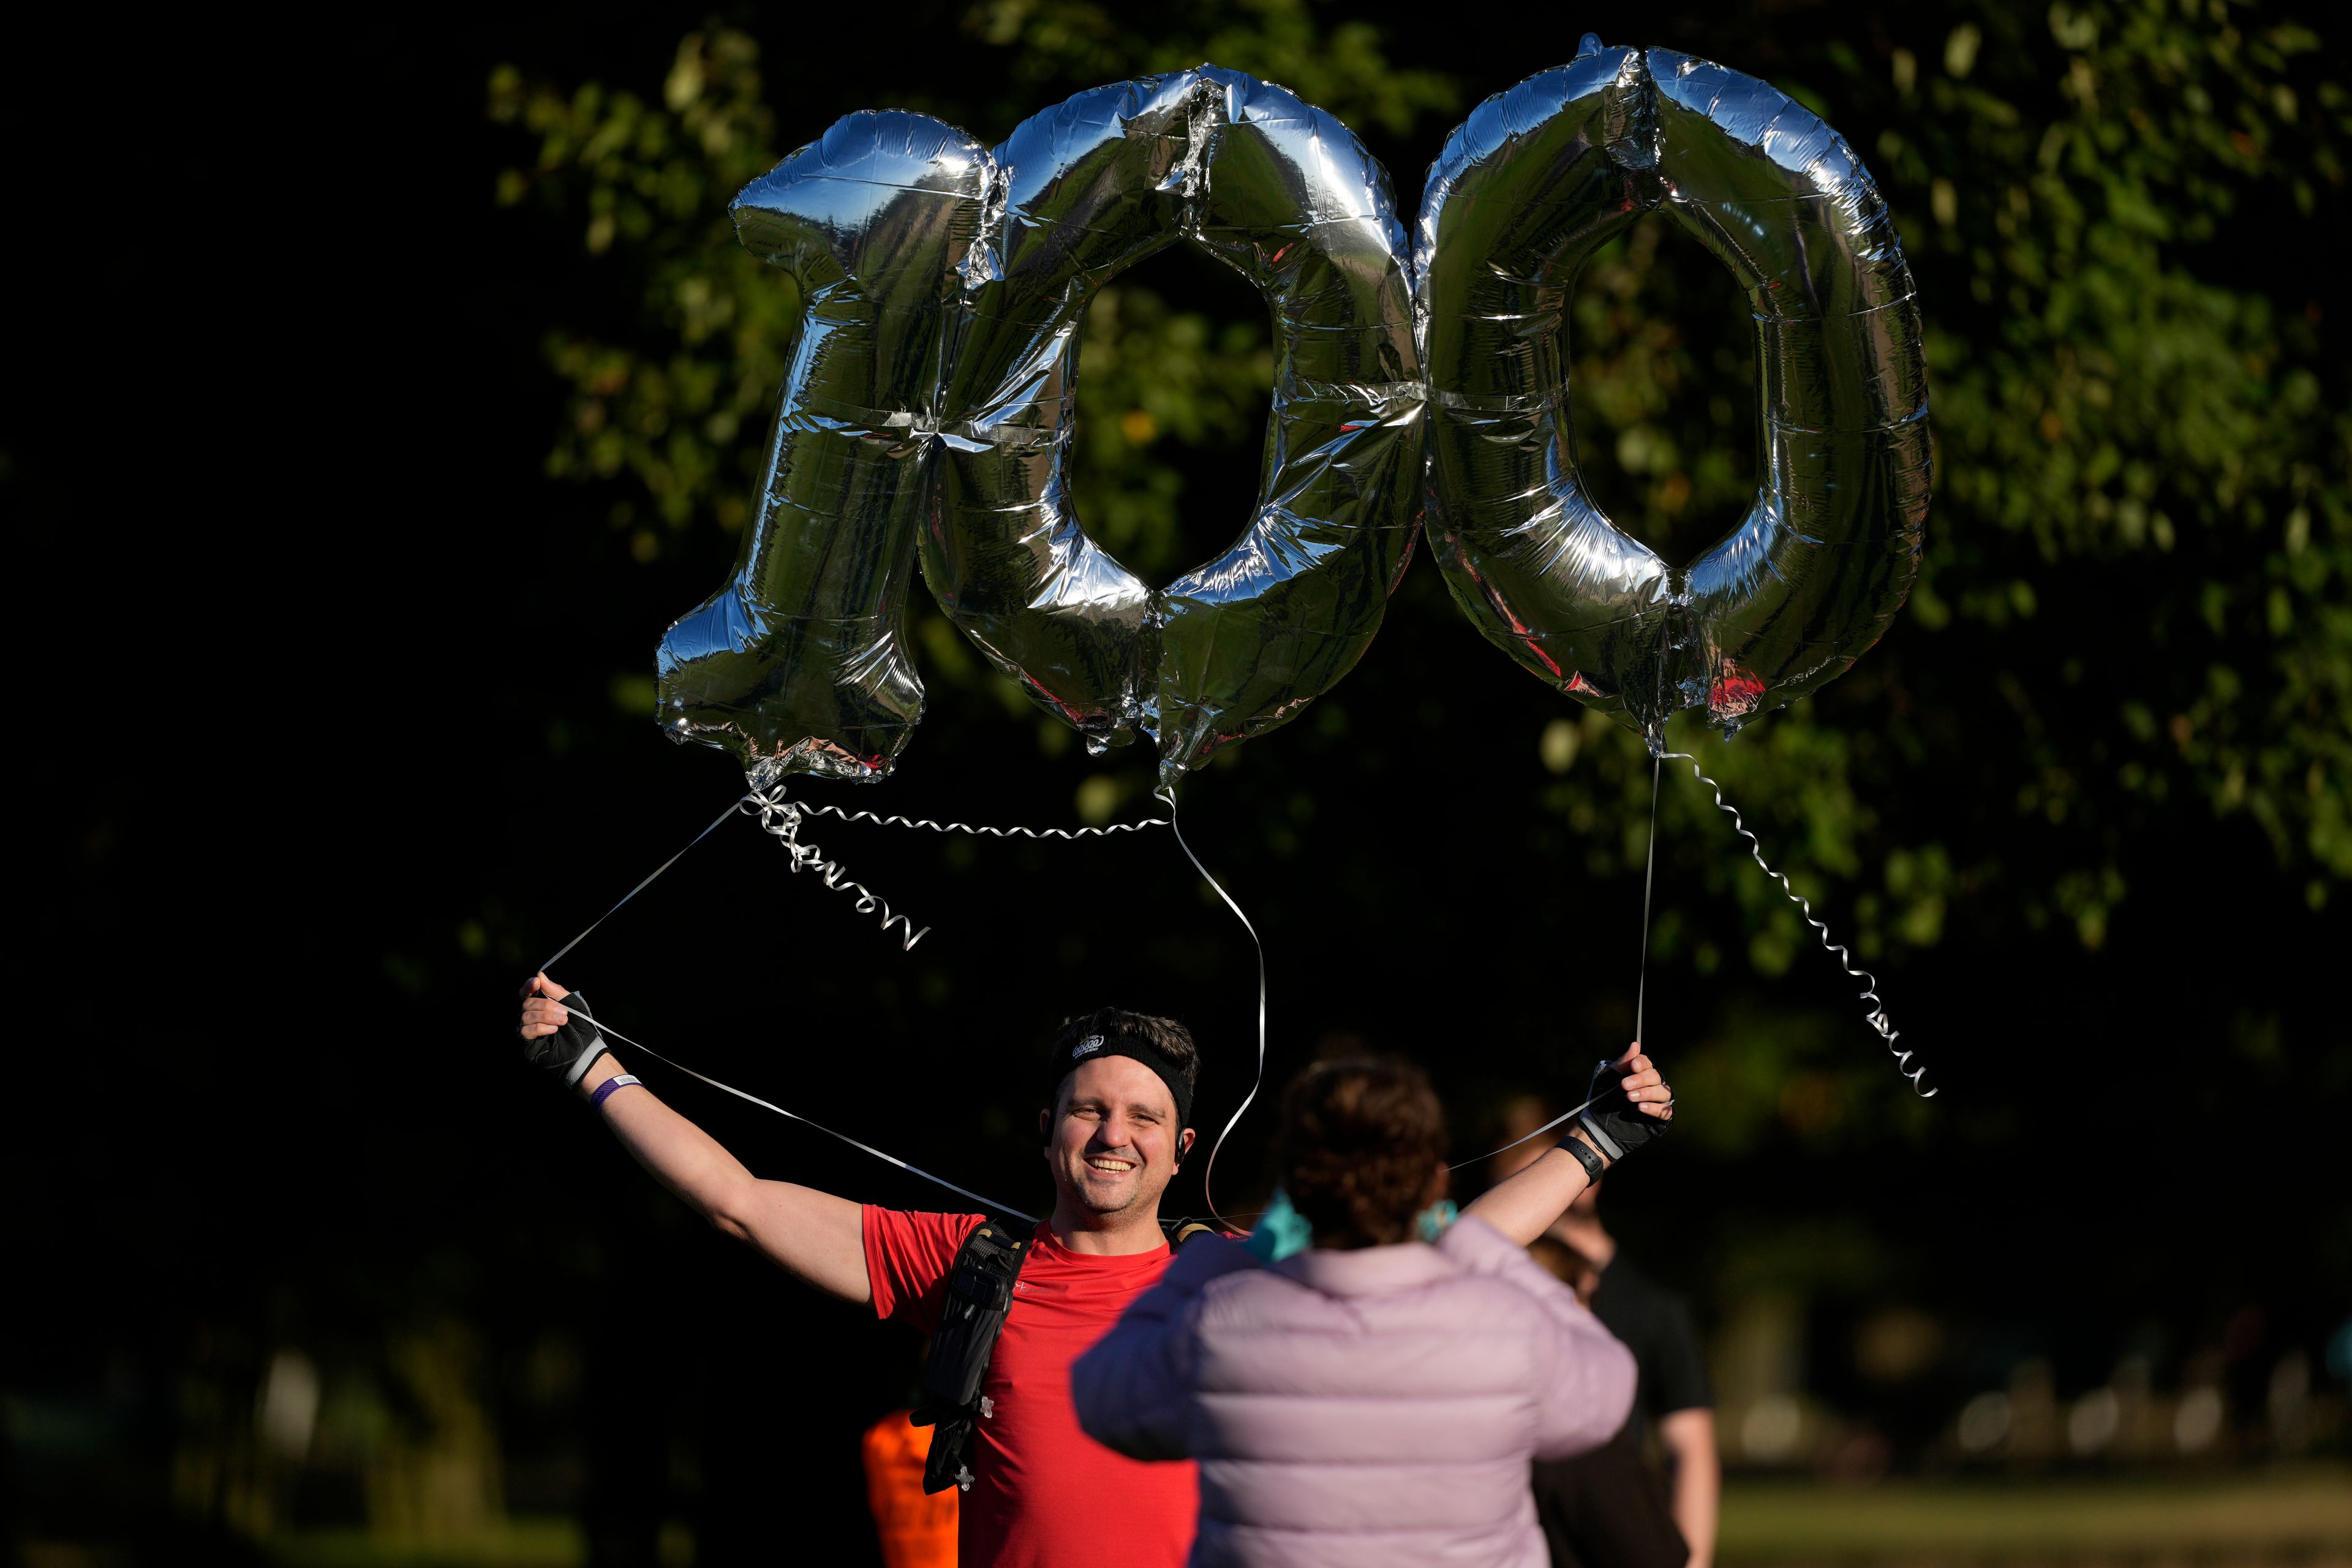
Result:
x=1876 y=1017
x=986 y=1203
x=1065 y=833
x=1641 y=982
x=1209 y=1174
x=641 y=887
x=1536 y=1133
x=807 y=858
x=1649 y=876
x=782 y=818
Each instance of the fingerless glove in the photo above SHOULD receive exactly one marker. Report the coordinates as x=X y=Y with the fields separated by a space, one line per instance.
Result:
x=572 y=1049
x=1614 y=1124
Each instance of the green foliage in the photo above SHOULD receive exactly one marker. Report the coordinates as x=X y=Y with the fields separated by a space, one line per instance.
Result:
x=1664 y=383
x=2117 y=410
x=1153 y=372
x=2134 y=593
x=675 y=402
x=1064 y=45
x=2133 y=617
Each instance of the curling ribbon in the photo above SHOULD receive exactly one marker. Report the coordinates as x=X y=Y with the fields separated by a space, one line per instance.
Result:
x=1876 y=1017
x=782 y=818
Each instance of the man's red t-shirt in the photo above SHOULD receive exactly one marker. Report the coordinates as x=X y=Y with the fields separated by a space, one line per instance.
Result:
x=1044 y=1494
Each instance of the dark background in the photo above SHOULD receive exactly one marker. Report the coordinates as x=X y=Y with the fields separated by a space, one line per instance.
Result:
x=325 y=752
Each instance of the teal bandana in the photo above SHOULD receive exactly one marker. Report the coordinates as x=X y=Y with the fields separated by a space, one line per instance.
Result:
x=1282 y=1231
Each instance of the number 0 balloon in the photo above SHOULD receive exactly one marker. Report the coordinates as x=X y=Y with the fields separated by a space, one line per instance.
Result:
x=1286 y=196
x=1538 y=179
x=928 y=411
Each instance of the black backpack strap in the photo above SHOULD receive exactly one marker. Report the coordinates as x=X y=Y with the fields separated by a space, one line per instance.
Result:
x=979 y=1295
x=1181 y=1232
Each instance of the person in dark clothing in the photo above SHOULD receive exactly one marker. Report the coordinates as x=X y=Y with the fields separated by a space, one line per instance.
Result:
x=1610 y=1507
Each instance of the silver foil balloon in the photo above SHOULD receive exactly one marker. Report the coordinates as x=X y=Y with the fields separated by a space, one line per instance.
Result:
x=1537 y=180
x=1284 y=194
x=800 y=662
x=931 y=394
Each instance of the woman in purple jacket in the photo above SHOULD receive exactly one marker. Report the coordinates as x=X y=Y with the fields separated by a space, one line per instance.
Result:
x=1375 y=1399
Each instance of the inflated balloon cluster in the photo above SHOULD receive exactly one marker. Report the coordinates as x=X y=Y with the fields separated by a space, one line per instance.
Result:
x=929 y=412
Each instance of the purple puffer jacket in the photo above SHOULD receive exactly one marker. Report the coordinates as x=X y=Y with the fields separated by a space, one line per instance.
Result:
x=1358 y=1409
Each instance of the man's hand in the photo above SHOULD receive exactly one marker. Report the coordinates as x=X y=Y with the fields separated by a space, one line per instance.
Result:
x=1631 y=1105
x=557 y=1031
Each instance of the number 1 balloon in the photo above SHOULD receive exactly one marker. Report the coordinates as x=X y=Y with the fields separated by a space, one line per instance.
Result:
x=800 y=663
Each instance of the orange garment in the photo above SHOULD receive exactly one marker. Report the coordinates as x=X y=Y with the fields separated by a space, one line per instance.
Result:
x=917 y=1532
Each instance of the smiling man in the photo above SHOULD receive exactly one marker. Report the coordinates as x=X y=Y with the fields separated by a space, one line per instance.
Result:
x=1041 y=1493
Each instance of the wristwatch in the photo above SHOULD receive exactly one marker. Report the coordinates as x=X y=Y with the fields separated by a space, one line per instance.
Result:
x=1586 y=1155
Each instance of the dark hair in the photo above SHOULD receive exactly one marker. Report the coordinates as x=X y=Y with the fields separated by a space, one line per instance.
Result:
x=1359 y=1143
x=1169 y=1039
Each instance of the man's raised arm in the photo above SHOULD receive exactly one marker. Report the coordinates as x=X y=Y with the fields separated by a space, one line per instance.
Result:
x=1631 y=1105
x=811 y=1235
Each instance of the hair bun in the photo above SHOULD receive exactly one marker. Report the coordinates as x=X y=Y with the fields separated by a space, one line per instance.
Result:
x=1361 y=1143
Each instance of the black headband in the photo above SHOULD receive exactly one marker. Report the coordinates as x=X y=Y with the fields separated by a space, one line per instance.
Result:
x=1068 y=1058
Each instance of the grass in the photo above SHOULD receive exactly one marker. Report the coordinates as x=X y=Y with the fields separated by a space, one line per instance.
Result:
x=2301 y=1516
x=529 y=1543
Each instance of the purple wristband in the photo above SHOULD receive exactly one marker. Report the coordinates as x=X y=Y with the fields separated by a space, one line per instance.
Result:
x=618 y=1080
